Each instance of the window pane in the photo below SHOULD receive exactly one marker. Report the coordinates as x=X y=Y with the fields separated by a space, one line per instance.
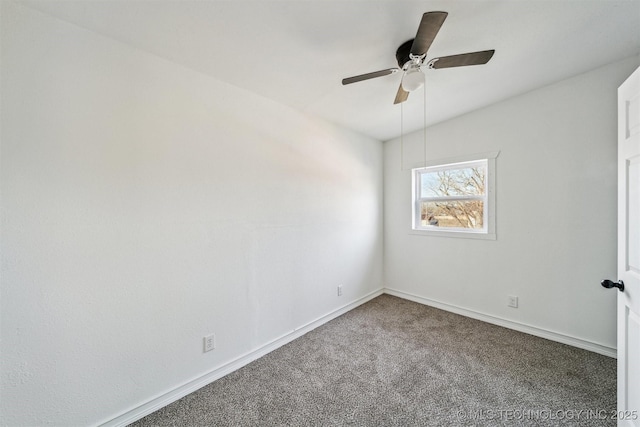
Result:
x=453 y=182
x=455 y=214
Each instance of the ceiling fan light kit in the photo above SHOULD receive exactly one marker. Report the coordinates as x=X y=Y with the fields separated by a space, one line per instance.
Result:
x=413 y=78
x=411 y=56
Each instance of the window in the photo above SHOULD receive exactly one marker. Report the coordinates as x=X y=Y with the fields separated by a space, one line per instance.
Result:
x=455 y=199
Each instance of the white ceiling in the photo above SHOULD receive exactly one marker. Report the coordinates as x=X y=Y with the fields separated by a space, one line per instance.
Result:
x=297 y=52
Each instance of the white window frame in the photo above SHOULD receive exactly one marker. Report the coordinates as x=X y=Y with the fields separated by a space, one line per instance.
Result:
x=489 y=198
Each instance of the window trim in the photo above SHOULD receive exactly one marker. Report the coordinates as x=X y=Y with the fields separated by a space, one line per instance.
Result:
x=489 y=231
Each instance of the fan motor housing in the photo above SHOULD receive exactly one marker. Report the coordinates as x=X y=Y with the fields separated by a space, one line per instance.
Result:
x=402 y=54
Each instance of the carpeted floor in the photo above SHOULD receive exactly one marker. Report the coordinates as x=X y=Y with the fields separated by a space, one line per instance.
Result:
x=392 y=362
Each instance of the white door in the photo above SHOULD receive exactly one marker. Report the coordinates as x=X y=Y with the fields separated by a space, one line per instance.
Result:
x=629 y=251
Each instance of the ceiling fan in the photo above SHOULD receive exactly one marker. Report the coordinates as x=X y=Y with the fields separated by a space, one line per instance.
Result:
x=411 y=56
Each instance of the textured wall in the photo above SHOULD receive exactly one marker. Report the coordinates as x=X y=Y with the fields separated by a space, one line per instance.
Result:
x=556 y=210
x=145 y=205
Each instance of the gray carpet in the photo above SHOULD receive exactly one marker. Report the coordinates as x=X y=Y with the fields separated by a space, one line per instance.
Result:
x=392 y=362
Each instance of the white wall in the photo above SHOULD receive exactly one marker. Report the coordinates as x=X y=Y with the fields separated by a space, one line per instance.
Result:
x=145 y=205
x=556 y=212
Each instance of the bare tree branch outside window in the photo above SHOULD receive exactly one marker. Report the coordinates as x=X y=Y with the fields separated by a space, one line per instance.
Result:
x=456 y=197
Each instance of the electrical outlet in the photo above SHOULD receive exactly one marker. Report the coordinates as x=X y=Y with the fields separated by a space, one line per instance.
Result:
x=209 y=342
x=513 y=301
x=340 y=290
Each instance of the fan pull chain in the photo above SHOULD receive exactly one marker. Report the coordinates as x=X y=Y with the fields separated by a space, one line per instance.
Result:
x=424 y=132
x=401 y=136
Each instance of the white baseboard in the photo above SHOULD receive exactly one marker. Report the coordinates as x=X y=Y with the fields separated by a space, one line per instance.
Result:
x=217 y=373
x=189 y=387
x=521 y=327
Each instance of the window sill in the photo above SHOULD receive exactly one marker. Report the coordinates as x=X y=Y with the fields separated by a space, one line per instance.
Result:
x=457 y=234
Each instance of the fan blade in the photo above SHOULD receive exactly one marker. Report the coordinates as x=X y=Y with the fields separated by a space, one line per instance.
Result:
x=368 y=76
x=427 y=31
x=473 y=58
x=401 y=96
